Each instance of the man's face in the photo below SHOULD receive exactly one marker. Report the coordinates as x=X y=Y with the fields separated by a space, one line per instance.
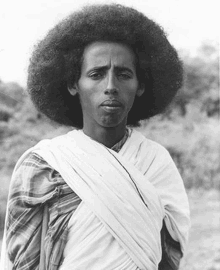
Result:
x=108 y=84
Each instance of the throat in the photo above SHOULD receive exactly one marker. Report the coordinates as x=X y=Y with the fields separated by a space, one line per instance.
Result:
x=106 y=136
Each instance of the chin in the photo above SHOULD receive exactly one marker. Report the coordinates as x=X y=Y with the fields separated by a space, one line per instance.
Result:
x=113 y=123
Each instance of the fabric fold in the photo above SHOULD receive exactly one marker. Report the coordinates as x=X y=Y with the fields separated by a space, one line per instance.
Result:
x=104 y=184
x=130 y=192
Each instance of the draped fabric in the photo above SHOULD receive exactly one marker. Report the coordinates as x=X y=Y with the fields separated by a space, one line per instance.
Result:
x=115 y=191
x=151 y=180
x=91 y=246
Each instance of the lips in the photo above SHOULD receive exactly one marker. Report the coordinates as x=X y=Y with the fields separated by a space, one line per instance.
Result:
x=111 y=103
x=111 y=106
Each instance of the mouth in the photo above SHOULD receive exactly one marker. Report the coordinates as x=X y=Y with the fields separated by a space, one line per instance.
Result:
x=111 y=105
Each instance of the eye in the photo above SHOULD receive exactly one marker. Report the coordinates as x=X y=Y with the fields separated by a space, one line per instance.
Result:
x=125 y=75
x=96 y=75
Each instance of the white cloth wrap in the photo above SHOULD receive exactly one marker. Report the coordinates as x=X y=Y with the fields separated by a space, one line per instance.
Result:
x=91 y=246
x=130 y=192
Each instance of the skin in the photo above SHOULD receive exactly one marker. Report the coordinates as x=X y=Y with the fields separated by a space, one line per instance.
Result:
x=108 y=72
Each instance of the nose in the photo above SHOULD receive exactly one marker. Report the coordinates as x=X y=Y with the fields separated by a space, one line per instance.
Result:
x=111 y=87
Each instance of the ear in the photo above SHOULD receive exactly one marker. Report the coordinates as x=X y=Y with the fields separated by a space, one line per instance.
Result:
x=140 y=91
x=73 y=89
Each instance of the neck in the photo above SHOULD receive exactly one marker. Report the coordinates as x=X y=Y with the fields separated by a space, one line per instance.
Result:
x=106 y=136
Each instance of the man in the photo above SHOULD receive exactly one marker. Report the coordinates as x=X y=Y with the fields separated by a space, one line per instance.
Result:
x=115 y=199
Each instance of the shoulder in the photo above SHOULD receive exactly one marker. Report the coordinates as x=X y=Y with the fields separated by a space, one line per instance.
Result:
x=151 y=158
x=160 y=158
x=31 y=164
x=154 y=146
x=149 y=148
x=34 y=164
x=34 y=180
x=157 y=150
x=33 y=169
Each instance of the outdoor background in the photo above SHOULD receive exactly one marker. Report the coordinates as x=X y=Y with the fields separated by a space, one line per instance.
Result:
x=189 y=129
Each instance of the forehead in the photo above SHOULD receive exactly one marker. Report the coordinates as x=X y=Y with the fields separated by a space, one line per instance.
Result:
x=108 y=53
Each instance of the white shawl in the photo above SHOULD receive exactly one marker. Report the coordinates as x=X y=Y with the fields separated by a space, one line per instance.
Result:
x=131 y=192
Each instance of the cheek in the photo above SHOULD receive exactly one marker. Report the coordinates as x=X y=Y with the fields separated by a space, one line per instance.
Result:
x=131 y=101
x=88 y=100
x=132 y=92
x=84 y=91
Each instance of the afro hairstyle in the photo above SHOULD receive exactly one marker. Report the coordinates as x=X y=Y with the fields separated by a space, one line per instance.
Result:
x=56 y=62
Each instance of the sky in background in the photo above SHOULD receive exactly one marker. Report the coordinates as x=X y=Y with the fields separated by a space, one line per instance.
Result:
x=188 y=24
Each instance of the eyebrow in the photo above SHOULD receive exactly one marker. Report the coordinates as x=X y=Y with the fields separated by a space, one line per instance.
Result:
x=104 y=68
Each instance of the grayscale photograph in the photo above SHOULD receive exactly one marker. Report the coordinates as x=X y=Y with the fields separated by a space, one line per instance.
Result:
x=109 y=135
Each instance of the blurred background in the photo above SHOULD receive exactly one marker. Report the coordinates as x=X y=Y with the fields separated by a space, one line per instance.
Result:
x=189 y=129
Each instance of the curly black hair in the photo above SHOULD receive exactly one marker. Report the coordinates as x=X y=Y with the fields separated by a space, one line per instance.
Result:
x=56 y=62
